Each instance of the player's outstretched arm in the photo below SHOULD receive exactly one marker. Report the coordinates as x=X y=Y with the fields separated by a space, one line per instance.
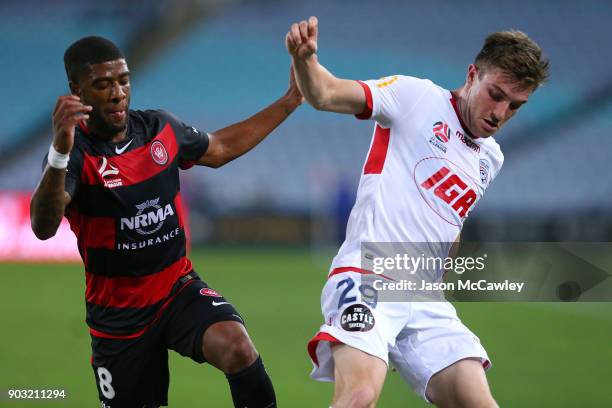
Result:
x=235 y=140
x=50 y=198
x=320 y=88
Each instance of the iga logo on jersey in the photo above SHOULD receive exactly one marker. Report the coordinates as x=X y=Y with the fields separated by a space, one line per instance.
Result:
x=149 y=222
x=357 y=318
x=447 y=189
x=159 y=153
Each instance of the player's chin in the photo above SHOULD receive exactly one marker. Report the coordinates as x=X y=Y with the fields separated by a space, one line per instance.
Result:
x=487 y=130
x=116 y=125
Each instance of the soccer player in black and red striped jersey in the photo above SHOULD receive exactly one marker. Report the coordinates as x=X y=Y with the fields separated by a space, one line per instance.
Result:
x=114 y=173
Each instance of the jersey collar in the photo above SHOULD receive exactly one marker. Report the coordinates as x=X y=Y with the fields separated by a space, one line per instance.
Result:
x=453 y=102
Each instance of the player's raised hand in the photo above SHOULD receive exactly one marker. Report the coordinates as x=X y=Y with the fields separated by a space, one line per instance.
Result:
x=69 y=110
x=294 y=91
x=301 y=40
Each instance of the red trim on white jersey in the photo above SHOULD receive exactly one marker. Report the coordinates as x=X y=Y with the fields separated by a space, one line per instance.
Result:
x=378 y=152
x=343 y=269
x=367 y=111
x=314 y=342
x=453 y=102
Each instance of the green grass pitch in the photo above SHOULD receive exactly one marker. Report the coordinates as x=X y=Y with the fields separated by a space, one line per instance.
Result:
x=544 y=355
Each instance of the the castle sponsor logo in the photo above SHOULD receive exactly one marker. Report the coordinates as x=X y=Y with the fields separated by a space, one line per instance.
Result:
x=357 y=318
x=108 y=173
x=467 y=141
x=149 y=218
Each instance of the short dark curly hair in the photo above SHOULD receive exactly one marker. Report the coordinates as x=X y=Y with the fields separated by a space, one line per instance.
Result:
x=86 y=51
x=516 y=54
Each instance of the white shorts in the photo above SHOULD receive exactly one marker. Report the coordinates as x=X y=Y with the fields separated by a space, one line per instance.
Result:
x=420 y=338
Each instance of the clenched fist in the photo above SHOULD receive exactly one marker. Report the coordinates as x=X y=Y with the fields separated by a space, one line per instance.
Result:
x=67 y=113
x=301 y=40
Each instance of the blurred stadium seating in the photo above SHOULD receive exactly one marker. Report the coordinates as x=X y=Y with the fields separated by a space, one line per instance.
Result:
x=214 y=62
x=227 y=65
x=33 y=36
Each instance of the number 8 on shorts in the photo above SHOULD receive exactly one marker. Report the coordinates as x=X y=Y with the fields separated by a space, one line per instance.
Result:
x=105 y=379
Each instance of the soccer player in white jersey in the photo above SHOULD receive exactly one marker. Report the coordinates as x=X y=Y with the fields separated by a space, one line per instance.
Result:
x=431 y=158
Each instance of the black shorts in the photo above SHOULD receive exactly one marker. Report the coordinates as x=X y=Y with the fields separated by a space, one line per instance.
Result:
x=134 y=372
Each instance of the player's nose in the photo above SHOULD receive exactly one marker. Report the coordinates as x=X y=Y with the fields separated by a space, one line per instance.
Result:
x=501 y=112
x=118 y=93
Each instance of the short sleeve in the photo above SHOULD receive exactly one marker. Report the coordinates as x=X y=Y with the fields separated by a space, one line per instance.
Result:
x=493 y=160
x=73 y=171
x=391 y=98
x=192 y=142
x=498 y=162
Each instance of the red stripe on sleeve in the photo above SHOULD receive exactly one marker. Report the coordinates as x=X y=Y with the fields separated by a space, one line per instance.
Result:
x=134 y=291
x=378 y=151
x=132 y=167
x=367 y=111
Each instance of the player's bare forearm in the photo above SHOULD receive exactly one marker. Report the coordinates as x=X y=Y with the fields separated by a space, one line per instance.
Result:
x=326 y=92
x=49 y=203
x=50 y=198
x=235 y=140
x=313 y=80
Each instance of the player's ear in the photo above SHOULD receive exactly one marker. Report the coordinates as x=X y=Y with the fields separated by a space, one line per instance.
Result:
x=472 y=73
x=75 y=89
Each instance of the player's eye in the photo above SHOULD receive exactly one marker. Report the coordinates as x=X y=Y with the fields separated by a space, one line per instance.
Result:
x=101 y=85
x=496 y=96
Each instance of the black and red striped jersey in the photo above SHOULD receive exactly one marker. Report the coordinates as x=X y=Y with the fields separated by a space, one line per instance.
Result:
x=127 y=215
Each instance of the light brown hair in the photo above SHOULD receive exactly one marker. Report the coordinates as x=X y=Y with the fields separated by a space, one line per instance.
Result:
x=516 y=54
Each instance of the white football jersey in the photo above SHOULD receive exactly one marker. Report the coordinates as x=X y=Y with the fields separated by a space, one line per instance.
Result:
x=423 y=173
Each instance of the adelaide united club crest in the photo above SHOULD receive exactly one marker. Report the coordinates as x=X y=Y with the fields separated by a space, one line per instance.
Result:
x=159 y=153
x=485 y=169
